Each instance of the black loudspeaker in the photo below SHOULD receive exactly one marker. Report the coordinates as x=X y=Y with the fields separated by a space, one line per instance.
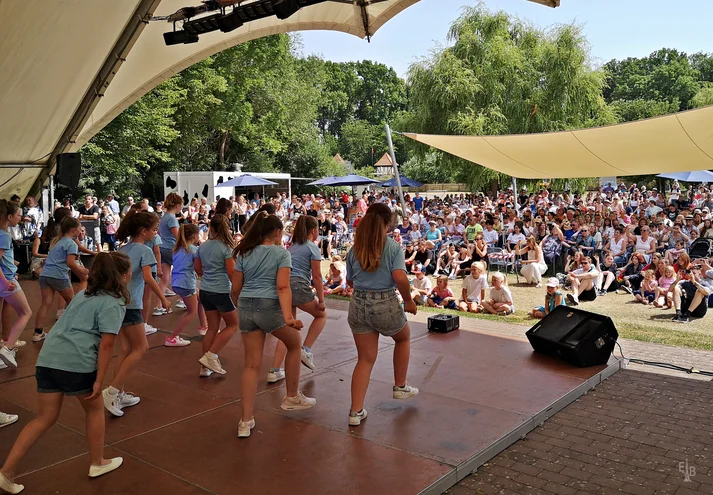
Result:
x=69 y=166
x=575 y=336
x=443 y=323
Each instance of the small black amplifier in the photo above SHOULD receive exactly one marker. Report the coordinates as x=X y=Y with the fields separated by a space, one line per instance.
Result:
x=443 y=323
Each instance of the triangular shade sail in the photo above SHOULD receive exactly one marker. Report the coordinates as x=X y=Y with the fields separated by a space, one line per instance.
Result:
x=247 y=180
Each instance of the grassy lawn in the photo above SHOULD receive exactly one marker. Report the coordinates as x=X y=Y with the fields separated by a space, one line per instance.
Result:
x=632 y=320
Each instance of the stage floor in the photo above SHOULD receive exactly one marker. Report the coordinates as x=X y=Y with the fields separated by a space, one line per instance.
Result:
x=479 y=394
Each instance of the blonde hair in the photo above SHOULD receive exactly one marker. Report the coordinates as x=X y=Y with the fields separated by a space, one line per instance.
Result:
x=499 y=276
x=442 y=278
x=651 y=273
x=478 y=265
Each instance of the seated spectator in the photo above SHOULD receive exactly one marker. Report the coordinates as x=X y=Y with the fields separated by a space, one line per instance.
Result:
x=396 y=236
x=691 y=290
x=649 y=291
x=479 y=249
x=424 y=258
x=664 y=296
x=500 y=300
x=534 y=266
x=553 y=298
x=673 y=253
x=461 y=263
x=445 y=260
x=420 y=286
x=583 y=283
x=433 y=236
x=473 y=291
x=607 y=276
x=336 y=279
x=515 y=238
x=629 y=277
x=441 y=296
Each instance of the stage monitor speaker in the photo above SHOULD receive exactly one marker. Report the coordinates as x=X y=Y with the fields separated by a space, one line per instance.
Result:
x=69 y=167
x=575 y=336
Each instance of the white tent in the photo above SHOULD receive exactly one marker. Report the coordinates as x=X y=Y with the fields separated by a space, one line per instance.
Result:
x=68 y=67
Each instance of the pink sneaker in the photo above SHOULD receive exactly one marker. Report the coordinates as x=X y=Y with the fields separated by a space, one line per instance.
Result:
x=176 y=342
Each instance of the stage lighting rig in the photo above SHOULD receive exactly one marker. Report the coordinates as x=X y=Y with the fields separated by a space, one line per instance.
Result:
x=179 y=38
x=285 y=8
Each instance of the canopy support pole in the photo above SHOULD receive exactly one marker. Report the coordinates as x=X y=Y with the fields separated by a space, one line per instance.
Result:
x=514 y=193
x=396 y=168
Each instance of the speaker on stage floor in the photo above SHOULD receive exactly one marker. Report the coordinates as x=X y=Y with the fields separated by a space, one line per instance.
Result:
x=69 y=166
x=575 y=336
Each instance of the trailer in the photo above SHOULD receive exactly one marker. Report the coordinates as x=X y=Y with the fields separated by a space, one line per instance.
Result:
x=206 y=185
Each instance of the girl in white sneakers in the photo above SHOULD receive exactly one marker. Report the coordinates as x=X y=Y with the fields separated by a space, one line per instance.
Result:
x=376 y=268
x=261 y=284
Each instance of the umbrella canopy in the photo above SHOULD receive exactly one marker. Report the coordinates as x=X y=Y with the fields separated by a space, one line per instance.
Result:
x=697 y=176
x=323 y=182
x=405 y=182
x=351 y=180
x=246 y=180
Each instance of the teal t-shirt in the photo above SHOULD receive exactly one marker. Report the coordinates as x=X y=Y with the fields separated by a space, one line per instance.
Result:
x=260 y=271
x=183 y=274
x=302 y=257
x=73 y=343
x=156 y=241
x=141 y=256
x=392 y=258
x=167 y=222
x=56 y=262
x=7 y=263
x=213 y=254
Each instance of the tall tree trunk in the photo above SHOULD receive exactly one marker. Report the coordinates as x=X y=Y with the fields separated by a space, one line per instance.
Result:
x=222 y=150
x=494 y=187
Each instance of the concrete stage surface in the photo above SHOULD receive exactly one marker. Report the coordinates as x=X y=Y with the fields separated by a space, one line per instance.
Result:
x=479 y=394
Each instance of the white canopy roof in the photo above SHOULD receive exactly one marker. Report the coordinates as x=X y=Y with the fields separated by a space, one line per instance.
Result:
x=68 y=67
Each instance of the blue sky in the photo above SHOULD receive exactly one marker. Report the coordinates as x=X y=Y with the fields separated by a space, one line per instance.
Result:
x=614 y=28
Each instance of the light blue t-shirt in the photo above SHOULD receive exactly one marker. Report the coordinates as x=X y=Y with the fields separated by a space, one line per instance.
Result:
x=302 y=257
x=260 y=271
x=183 y=275
x=167 y=222
x=141 y=256
x=8 y=256
x=213 y=254
x=392 y=258
x=156 y=241
x=56 y=262
x=73 y=343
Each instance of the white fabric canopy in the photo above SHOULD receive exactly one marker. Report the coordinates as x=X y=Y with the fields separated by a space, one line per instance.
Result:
x=673 y=143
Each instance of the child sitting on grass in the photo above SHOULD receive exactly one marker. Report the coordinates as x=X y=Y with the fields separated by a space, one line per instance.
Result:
x=441 y=296
x=336 y=280
x=649 y=288
x=553 y=298
x=500 y=302
x=474 y=286
x=664 y=293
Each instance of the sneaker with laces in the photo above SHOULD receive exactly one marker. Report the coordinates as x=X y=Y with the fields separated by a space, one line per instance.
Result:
x=202 y=331
x=245 y=428
x=38 y=337
x=7 y=419
x=298 y=402
x=405 y=392
x=571 y=300
x=180 y=304
x=112 y=403
x=627 y=289
x=205 y=372
x=149 y=329
x=308 y=358
x=176 y=342
x=355 y=418
x=275 y=375
x=212 y=364
x=18 y=343
x=169 y=293
x=161 y=311
x=7 y=486
x=127 y=399
x=8 y=356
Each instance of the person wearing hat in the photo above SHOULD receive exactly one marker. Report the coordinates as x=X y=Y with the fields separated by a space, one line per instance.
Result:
x=420 y=286
x=553 y=298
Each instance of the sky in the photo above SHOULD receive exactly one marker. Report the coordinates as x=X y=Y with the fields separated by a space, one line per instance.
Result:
x=614 y=28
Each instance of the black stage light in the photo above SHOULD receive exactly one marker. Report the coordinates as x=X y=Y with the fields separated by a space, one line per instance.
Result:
x=203 y=25
x=230 y=22
x=179 y=37
x=285 y=8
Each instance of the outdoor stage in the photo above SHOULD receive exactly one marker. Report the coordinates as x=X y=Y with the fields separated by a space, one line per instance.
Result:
x=479 y=394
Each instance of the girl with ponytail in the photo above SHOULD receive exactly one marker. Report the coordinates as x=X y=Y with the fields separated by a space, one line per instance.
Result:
x=261 y=284
x=306 y=272
x=376 y=268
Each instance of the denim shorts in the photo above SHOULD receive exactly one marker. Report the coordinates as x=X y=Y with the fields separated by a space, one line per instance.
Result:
x=132 y=317
x=259 y=314
x=52 y=381
x=56 y=284
x=8 y=293
x=301 y=291
x=214 y=301
x=166 y=256
x=376 y=311
x=184 y=292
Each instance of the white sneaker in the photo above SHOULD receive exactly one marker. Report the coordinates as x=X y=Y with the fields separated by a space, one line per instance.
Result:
x=96 y=471
x=169 y=293
x=275 y=375
x=205 y=372
x=7 y=486
x=112 y=403
x=7 y=419
x=149 y=329
x=8 y=356
x=2 y=365
x=405 y=392
x=60 y=312
x=180 y=304
x=298 y=402
x=356 y=418
x=176 y=342
x=18 y=343
x=202 y=331
x=212 y=364
x=161 y=311
x=244 y=428
x=38 y=337
x=308 y=358
x=127 y=399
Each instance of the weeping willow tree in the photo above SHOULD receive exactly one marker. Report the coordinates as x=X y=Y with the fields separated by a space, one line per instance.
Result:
x=502 y=76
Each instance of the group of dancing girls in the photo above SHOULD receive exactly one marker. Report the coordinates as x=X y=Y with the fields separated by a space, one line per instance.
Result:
x=267 y=282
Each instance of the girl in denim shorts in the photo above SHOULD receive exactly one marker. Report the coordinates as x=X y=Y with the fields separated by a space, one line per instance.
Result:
x=215 y=264
x=306 y=269
x=62 y=257
x=376 y=268
x=168 y=230
x=261 y=284
x=183 y=282
x=140 y=227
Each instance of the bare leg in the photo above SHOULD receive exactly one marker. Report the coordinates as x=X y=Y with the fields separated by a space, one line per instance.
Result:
x=18 y=301
x=213 y=319
x=402 y=355
x=94 y=409
x=47 y=300
x=231 y=326
x=290 y=337
x=254 y=343
x=367 y=350
x=191 y=311
x=133 y=347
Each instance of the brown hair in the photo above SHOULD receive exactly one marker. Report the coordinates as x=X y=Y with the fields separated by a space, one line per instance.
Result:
x=369 y=238
x=303 y=226
x=106 y=275
x=186 y=231
x=263 y=226
x=134 y=222
x=172 y=201
x=67 y=224
x=219 y=226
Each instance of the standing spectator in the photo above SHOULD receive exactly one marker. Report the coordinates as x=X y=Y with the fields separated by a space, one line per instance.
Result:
x=108 y=227
x=113 y=205
x=129 y=204
x=89 y=214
